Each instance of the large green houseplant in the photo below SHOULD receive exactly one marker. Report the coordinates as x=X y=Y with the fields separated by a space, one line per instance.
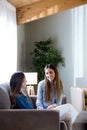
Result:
x=44 y=53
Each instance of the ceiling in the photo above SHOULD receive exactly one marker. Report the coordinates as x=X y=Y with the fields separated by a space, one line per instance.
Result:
x=30 y=10
x=21 y=3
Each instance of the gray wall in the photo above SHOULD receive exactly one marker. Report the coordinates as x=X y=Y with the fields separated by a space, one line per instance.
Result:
x=21 y=55
x=58 y=27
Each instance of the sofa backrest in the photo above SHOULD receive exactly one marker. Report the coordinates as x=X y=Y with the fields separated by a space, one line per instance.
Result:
x=5 y=102
x=4 y=96
x=21 y=119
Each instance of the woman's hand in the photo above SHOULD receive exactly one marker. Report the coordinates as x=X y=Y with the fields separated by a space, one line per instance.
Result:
x=52 y=106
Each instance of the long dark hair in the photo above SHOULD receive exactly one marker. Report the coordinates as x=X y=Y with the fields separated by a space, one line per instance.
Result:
x=16 y=85
x=57 y=83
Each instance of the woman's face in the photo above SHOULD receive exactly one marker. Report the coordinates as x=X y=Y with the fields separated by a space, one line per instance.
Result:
x=24 y=83
x=50 y=74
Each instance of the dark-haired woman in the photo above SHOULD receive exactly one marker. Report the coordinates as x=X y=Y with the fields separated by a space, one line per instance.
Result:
x=18 y=99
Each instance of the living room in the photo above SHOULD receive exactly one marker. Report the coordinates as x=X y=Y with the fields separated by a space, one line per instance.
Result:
x=63 y=28
x=68 y=30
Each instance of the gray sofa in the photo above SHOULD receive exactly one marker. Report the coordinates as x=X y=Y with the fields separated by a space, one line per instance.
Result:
x=15 y=119
x=80 y=122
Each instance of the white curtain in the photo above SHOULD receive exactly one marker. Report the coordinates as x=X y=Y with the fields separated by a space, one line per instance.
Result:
x=8 y=41
x=79 y=27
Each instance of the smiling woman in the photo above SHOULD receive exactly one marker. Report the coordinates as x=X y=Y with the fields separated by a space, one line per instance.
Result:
x=8 y=40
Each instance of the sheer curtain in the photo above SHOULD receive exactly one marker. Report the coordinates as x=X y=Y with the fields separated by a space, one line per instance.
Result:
x=79 y=27
x=8 y=41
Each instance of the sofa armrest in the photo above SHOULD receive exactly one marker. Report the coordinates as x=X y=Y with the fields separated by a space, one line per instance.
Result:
x=29 y=119
x=80 y=122
x=33 y=98
x=64 y=99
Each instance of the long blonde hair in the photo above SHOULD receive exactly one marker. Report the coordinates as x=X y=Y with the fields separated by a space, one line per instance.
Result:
x=57 y=83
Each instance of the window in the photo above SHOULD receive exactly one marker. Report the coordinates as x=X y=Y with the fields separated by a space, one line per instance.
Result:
x=79 y=28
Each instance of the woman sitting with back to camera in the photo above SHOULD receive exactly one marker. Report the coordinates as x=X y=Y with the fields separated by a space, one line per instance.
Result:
x=50 y=92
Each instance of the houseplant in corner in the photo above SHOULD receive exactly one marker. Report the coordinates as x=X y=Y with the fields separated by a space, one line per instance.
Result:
x=44 y=53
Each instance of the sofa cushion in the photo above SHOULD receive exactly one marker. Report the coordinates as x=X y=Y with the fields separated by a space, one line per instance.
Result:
x=4 y=96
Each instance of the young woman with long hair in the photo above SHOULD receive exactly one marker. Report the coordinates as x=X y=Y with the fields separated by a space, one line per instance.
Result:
x=50 y=92
x=18 y=99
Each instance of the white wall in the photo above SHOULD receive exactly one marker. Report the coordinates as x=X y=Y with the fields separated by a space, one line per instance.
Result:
x=8 y=41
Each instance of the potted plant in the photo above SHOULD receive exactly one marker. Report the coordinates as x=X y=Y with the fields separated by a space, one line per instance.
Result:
x=44 y=53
